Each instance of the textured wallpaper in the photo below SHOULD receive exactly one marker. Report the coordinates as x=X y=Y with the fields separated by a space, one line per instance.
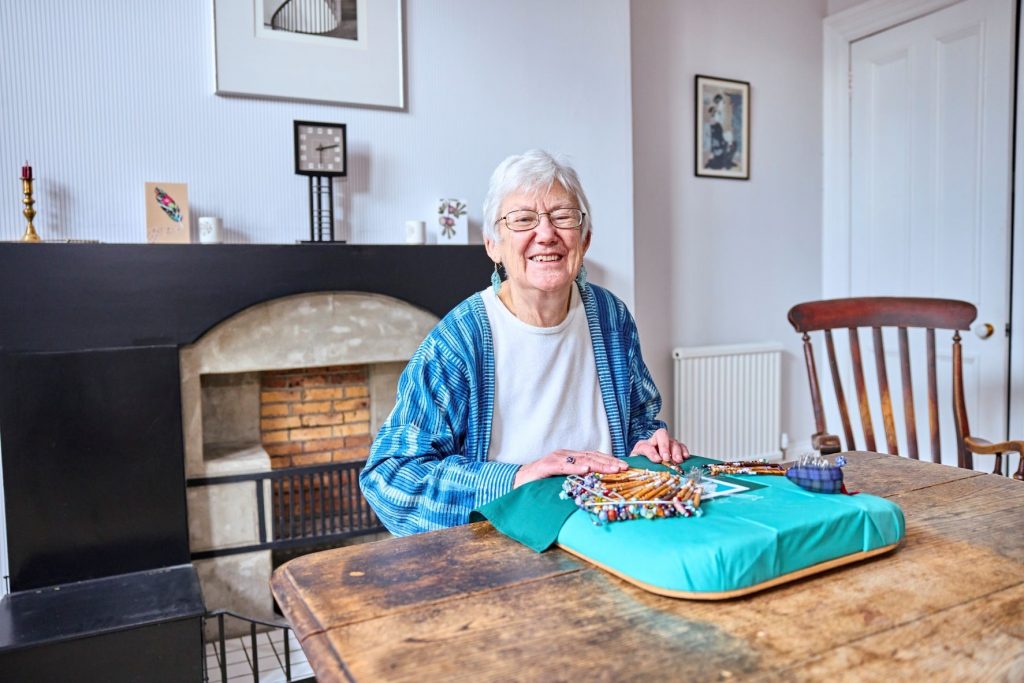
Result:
x=104 y=96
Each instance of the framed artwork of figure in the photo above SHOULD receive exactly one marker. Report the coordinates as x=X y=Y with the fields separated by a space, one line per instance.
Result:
x=722 y=128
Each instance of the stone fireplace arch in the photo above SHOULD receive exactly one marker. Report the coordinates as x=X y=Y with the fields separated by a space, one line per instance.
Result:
x=220 y=390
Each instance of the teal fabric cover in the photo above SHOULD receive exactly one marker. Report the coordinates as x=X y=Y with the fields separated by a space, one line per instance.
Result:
x=741 y=540
x=533 y=514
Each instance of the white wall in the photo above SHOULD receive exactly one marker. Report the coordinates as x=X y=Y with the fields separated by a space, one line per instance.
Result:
x=722 y=261
x=1016 y=425
x=105 y=95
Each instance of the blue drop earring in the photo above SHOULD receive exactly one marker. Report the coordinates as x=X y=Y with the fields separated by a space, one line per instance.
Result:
x=581 y=278
x=496 y=280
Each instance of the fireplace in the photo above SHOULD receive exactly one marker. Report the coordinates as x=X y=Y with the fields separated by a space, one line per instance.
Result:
x=298 y=381
x=99 y=427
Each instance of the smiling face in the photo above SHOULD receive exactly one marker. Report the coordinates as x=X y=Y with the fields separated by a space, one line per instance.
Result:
x=543 y=261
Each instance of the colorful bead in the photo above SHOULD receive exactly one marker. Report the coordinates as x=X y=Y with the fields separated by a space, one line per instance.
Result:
x=636 y=494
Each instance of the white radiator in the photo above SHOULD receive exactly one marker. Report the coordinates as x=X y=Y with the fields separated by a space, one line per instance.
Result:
x=727 y=400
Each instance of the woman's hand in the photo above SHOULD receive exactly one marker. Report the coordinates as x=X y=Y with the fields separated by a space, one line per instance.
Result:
x=564 y=462
x=661 y=447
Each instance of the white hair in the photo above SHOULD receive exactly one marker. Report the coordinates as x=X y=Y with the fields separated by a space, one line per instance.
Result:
x=532 y=172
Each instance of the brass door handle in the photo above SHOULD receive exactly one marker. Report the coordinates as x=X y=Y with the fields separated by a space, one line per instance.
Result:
x=984 y=330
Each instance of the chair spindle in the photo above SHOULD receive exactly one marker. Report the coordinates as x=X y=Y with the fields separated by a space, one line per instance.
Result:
x=883 y=388
x=964 y=456
x=908 y=395
x=837 y=382
x=933 y=398
x=812 y=376
x=862 y=392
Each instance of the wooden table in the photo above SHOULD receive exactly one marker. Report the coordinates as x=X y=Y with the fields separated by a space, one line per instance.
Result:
x=470 y=604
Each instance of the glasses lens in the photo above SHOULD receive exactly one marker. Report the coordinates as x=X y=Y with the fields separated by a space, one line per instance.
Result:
x=522 y=220
x=566 y=218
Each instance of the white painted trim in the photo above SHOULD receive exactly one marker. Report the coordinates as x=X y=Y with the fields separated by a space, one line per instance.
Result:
x=840 y=30
x=1016 y=426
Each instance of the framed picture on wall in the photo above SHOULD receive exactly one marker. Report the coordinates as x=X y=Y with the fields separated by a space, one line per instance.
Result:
x=330 y=51
x=722 y=128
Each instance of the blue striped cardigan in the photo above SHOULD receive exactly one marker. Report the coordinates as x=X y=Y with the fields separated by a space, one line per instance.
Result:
x=428 y=466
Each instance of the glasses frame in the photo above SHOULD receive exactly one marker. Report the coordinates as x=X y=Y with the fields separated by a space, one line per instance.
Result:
x=579 y=226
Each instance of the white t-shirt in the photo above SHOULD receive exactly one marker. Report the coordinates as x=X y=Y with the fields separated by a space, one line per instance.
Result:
x=546 y=393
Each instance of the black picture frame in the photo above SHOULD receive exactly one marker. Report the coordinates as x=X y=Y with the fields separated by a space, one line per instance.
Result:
x=721 y=128
x=344 y=149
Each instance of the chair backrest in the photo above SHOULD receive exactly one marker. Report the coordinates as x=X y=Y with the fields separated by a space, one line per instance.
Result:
x=875 y=313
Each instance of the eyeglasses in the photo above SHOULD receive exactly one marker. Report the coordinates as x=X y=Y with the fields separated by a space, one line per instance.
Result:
x=522 y=220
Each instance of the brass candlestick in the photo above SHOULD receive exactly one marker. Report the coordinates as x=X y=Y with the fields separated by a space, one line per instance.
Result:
x=30 y=213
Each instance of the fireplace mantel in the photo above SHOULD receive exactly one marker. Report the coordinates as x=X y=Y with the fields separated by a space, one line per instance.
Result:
x=59 y=297
x=91 y=409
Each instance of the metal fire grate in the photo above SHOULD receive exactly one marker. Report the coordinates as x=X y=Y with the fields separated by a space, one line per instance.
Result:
x=310 y=507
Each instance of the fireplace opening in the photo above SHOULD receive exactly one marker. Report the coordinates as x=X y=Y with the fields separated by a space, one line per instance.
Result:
x=280 y=405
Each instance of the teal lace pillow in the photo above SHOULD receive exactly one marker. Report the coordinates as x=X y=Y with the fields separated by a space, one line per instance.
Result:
x=741 y=543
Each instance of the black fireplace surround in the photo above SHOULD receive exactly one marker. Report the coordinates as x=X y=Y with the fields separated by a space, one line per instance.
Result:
x=91 y=432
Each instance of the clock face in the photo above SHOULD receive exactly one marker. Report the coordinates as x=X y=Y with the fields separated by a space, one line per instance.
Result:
x=320 y=148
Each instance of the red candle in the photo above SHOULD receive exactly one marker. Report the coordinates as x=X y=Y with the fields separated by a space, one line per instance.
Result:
x=26 y=172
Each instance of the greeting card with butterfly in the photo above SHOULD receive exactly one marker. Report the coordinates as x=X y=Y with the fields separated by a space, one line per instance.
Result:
x=167 y=216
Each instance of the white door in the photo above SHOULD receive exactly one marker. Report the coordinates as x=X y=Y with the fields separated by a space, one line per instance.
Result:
x=931 y=142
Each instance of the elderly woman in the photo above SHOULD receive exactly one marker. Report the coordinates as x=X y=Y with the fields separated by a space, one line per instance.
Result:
x=539 y=375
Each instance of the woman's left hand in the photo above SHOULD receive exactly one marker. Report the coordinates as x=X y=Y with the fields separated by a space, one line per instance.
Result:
x=661 y=447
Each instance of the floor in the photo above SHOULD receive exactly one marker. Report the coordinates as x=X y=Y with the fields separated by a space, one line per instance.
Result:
x=270 y=651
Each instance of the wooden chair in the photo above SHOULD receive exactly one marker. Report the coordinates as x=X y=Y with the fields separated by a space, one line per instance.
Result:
x=901 y=313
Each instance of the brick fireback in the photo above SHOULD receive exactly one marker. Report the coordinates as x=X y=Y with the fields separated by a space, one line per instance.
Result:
x=315 y=415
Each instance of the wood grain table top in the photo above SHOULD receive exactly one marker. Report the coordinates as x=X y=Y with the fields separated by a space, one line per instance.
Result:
x=470 y=604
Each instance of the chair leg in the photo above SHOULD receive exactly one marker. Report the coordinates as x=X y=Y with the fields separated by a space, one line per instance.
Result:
x=998 y=469
x=1019 y=474
x=967 y=458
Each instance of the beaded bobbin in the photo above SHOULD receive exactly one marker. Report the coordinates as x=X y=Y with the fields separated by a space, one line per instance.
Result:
x=636 y=494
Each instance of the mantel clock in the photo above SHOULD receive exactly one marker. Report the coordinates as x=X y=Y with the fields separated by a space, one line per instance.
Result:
x=321 y=154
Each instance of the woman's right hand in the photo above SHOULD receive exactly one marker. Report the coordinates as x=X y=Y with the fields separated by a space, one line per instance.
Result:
x=564 y=462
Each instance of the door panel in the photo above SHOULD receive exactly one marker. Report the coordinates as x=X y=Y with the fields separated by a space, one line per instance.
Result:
x=931 y=124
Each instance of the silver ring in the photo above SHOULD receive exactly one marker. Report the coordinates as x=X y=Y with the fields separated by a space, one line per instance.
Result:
x=569 y=459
